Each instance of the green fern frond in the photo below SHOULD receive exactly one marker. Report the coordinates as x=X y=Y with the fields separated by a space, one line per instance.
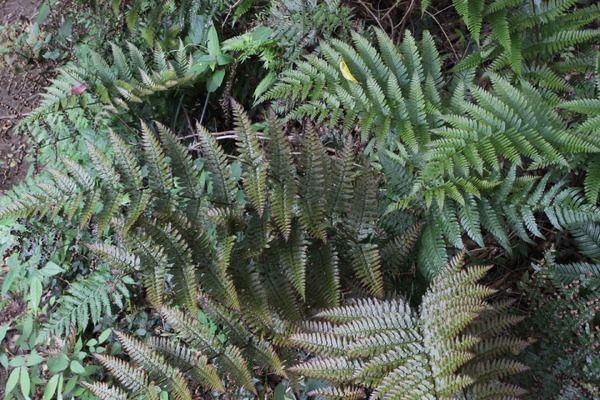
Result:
x=367 y=266
x=394 y=351
x=105 y=392
x=333 y=393
x=156 y=365
x=323 y=273
x=292 y=254
x=126 y=162
x=592 y=180
x=188 y=360
x=265 y=355
x=312 y=181
x=282 y=195
x=188 y=175
x=224 y=186
x=88 y=301
x=134 y=379
x=251 y=155
x=361 y=211
x=115 y=256
x=103 y=166
x=192 y=331
x=179 y=253
x=161 y=181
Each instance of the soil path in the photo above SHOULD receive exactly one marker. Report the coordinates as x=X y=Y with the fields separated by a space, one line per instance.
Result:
x=18 y=93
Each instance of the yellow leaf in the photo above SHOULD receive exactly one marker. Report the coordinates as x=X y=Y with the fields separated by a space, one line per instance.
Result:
x=346 y=71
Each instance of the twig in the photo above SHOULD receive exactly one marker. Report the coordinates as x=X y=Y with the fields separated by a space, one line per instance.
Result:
x=204 y=108
x=445 y=35
x=443 y=9
x=372 y=14
x=404 y=18
x=237 y=3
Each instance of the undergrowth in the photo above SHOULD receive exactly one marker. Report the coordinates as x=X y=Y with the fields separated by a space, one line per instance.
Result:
x=298 y=199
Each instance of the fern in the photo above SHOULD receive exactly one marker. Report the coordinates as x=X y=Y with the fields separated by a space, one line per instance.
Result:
x=457 y=154
x=239 y=266
x=89 y=300
x=396 y=352
x=525 y=35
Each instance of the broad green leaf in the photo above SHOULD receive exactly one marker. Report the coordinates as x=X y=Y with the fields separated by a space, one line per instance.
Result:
x=215 y=80
x=198 y=68
x=25 y=382
x=3 y=330
x=104 y=335
x=213 y=45
x=43 y=12
x=262 y=33
x=197 y=30
x=51 y=387
x=35 y=294
x=116 y=4
x=70 y=384
x=27 y=327
x=76 y=367
x=12 y=381
x=279 y=393
x=58 y=363
x=224 y=59
x=34 y=359
x=51 y=269
x=265 y=84
x=17 y=361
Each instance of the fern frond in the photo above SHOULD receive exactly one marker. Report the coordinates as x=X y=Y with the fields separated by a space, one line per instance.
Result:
x=161 y=181
x=396 y=352
x=103 y=166
x=188 y=360
x=192 y=331
x=115 y=256
x=89 y=299
x=179 y=253
x=366 y=262
x=224 y=186
x=184 y=169
x=312 y=180
x=282 y=195
x=293 y=258
x=156 y=366
x=334 y=393
x=132 y=378
x=105 y=392
x=251 y=155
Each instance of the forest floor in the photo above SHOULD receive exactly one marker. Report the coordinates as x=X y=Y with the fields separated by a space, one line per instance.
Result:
x=19 y=92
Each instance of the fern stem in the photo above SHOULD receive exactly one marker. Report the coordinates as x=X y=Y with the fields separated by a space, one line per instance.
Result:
x=204 y=108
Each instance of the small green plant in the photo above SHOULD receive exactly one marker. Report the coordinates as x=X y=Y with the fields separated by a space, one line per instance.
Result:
x=36 y=371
